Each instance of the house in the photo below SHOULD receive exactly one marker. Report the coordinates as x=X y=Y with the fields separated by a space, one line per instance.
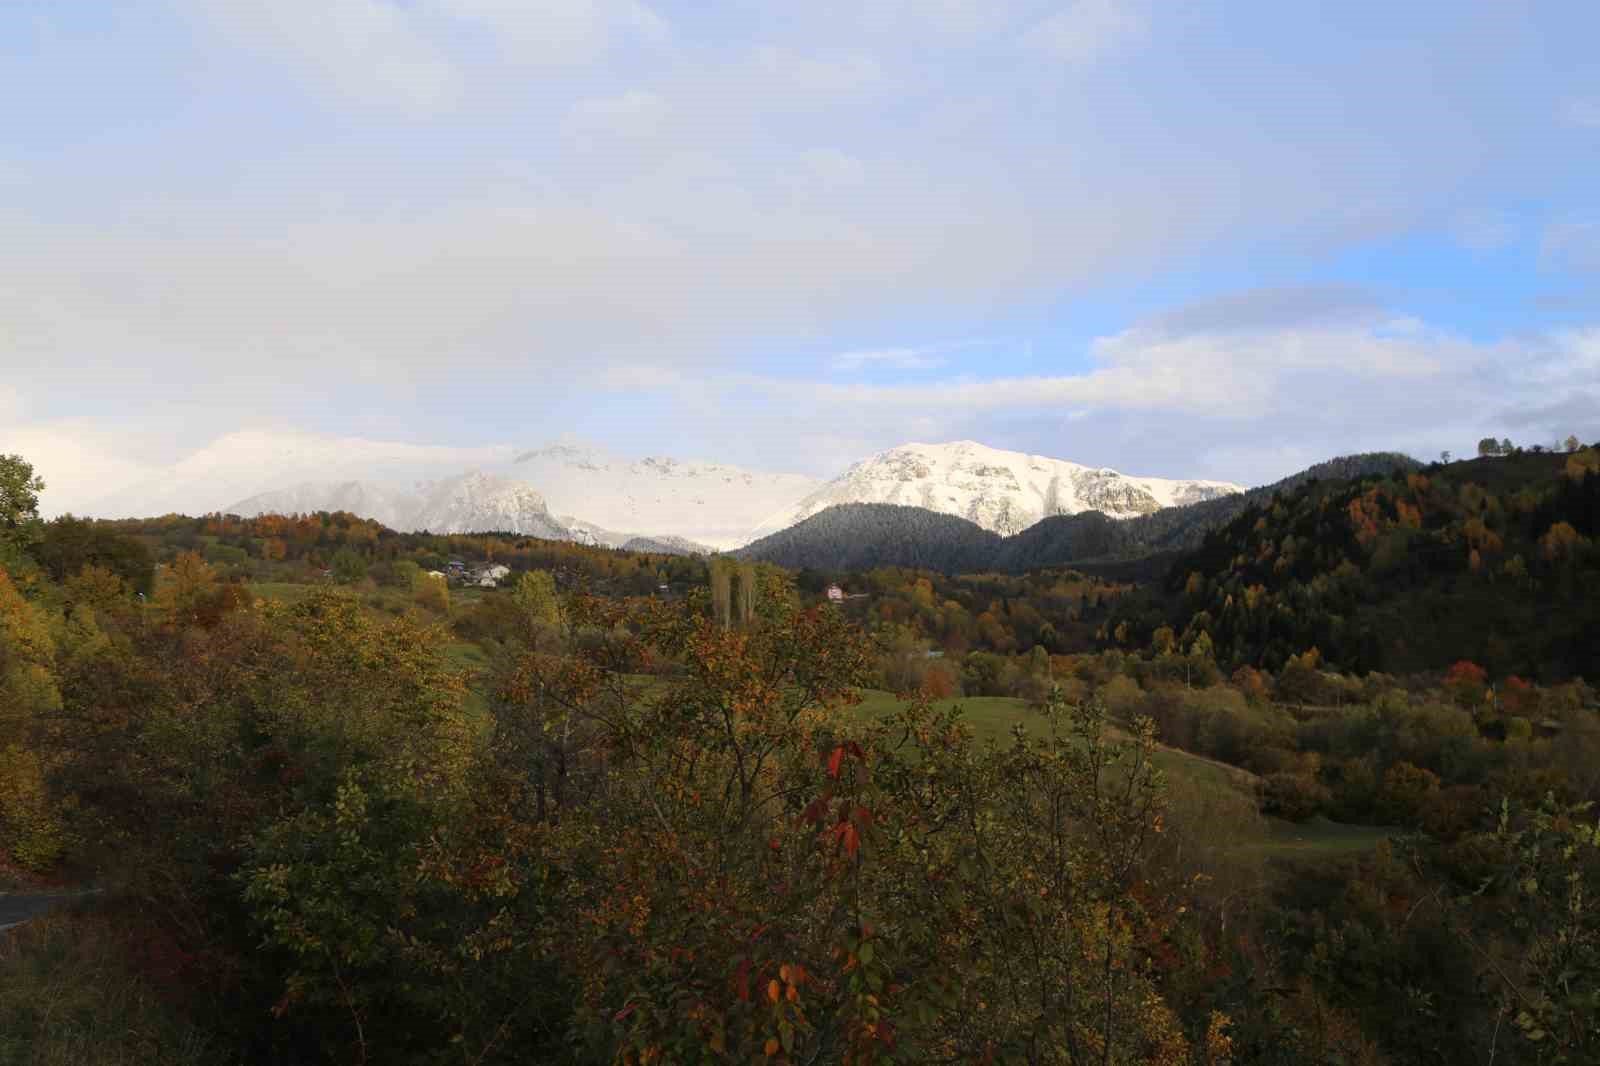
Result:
x=488 y=577
x=835 y=594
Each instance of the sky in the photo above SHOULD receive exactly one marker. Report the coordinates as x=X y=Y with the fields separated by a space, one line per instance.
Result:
x=1208 y=238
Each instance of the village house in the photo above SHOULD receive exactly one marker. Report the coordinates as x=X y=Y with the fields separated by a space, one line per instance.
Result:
x=835 y=594
x=490 y=576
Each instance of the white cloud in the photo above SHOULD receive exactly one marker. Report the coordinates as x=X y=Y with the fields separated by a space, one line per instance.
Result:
x=370 y=52
x=1573 y=245
x=817 y=78
x=634 y=115
x=1085 y=31
x=558 y=32
x=1582 y=113
x=79 y=462
x=1484 y=232
x=1143 y=369
x=894 y=358
x=637 y=377
x=408 y=56
x=10 y=402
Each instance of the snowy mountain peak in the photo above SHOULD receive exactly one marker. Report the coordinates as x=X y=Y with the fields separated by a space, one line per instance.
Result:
x=1002 y=491
x=477 y=501
x=474 y=502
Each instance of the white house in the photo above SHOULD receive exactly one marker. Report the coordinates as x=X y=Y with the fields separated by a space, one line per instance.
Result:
x=835 y=594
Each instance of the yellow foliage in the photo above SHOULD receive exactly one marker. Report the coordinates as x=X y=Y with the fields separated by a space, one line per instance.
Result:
x=1561 y=541
x=29 y=829
x=189 y=580
x=1583 y=463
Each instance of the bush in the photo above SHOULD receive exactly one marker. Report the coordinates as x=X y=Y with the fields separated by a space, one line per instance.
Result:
x=69 y=996
x=31 y=831
x=1294 y=795
x=1407 y=791
x=431 y=592
x=1121 y=696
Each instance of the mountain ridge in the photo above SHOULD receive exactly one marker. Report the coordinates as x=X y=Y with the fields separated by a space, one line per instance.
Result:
x=866 y=535
x=1002 y=491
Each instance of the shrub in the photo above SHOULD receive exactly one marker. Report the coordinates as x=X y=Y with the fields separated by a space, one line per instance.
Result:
x=68 y=995
x=1294 y=795
x=1121 y=695
x=431 y=592
x=31 y=830
x=1407 y=790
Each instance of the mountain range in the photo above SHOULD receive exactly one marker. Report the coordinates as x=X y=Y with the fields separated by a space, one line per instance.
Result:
x=862 y=536
x=570 y=490
x=1000 y=491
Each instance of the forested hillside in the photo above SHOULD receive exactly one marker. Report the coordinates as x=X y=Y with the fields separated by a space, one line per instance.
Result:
x=1491 y=560
x=349 y=548
x=861 y=536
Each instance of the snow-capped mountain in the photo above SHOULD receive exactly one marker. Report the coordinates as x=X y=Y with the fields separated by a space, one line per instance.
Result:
x=657 y=497
x=248 y=463
x=609 y=500
x=468 y=503
x=393 y=508
x=1002 y=491
x=612 y=498
x=478 y=502
x=667 y=545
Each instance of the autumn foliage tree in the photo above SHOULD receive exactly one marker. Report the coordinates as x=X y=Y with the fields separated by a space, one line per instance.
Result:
x=31 y=831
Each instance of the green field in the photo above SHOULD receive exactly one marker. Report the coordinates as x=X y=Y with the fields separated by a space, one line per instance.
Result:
x=467 y=655
x=282 y=591
x=991 y=718
x=1319 y=838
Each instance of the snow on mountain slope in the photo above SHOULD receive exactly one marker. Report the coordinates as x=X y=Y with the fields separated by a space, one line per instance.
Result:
x=479 y=502
x=1005 y=492
x=468 y=503
x=586 y=532
x=247 y=463
x=656 y=497
x=393 y=508
x=258 y=470
x=667 y=545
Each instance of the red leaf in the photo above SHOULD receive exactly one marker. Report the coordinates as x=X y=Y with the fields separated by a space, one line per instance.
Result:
x=834 y=760
x=742 y=977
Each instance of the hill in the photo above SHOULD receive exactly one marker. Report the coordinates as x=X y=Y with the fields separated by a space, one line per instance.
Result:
x=863 y=536
x=1491 y=560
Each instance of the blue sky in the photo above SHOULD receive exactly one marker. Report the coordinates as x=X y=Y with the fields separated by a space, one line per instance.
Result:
x=1218 y=239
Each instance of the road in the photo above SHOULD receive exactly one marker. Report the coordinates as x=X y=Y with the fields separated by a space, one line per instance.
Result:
x=19 y=908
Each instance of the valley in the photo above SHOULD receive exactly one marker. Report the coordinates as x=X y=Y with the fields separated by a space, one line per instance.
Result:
x=1212 y=690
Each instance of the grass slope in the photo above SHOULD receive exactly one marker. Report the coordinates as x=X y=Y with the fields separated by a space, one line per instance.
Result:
x=992 y=718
